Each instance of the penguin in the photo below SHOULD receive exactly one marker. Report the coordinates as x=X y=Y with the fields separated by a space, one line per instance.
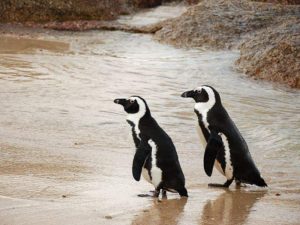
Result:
x=155 y=156
x=226 y=149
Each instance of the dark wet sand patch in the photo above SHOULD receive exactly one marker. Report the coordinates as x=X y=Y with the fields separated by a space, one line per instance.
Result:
x=12 y=45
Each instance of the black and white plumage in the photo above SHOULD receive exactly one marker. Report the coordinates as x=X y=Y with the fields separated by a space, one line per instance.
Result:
x=155 y=157
x=225 y=148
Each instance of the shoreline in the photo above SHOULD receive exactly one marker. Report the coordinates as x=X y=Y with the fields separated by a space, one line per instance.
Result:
x=268 y=47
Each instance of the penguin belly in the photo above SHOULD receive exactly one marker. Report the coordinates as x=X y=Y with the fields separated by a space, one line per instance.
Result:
x=151 y=173
x=218 y=166
x=156 y=173
x=146 y=176
x=228 y=164
x=201 y=137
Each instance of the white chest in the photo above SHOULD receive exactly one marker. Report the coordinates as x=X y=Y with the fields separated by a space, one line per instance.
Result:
x=203 y=109
x=146 y=176
x=156 y=173
x=137 y=131
x=228 y=163
x=201 y=137
x=135 y=126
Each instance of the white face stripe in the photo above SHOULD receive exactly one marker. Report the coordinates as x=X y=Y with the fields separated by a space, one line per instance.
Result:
x=142 y=110
x=135 y=117
x=204 y=107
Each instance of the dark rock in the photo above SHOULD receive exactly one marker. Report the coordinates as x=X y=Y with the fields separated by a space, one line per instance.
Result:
x=274 y=54
x=146 y=3
x=64 y=10
x=267 y=35
x=285 y=2
x=40 y=10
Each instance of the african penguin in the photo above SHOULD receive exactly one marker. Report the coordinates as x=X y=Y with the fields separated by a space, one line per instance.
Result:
x=225 y=148
x=155 y=157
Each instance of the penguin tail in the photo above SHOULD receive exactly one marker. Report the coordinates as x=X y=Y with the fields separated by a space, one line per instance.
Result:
x=261 y=182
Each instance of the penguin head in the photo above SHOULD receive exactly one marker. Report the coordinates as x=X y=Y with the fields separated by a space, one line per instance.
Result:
x=135 y=106
x=205 y=97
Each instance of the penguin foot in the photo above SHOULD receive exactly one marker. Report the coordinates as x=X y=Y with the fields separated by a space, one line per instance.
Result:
x=217 y=185
x=156 y=194
x=164 y=194
x=238 y=184
x=225 y=185
x=144 y=195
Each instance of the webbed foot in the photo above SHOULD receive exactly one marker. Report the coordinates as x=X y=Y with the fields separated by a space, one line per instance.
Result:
x=225 y=185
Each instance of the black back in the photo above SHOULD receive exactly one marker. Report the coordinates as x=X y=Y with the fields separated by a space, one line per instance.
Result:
x=166 y=155
x=244 y=167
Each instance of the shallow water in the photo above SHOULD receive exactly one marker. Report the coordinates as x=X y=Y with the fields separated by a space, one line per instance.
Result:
x=154 y=15
x=66 y=150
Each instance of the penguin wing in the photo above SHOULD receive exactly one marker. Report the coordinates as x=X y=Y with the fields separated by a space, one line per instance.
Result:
x=214 y=144
x=141 y=154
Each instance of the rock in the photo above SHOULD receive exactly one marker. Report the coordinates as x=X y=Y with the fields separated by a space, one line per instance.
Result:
x=191 y=2
x=41 y=11
x=273 y=54
x=266 y=34
x=146 y=3
x=220 y=24
x=64 y=10
x=286 y=2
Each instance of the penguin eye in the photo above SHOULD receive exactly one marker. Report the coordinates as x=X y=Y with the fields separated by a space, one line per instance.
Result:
x=199 y=91
x=131 y=101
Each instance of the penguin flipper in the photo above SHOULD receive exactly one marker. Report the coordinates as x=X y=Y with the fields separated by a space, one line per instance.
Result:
x=140 y=156
x=213 y=146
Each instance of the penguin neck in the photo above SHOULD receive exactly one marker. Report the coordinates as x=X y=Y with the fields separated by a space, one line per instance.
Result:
x=202 y=109
x=148 y=128
x=136 y=119
x=146 y=123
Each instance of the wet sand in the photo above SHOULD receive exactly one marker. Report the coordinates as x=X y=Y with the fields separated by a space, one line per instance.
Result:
x=23 y=45
x=66 y=150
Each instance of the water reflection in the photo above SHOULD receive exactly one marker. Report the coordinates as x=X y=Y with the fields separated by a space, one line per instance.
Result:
x=165 y=212
x=231 y=207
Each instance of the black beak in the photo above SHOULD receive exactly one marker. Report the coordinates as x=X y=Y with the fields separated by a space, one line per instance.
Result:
x=121 y=101
x=188 y=94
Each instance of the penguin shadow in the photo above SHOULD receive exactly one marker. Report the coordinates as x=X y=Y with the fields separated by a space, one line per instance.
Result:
x=231 y=207
x=162 y=213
